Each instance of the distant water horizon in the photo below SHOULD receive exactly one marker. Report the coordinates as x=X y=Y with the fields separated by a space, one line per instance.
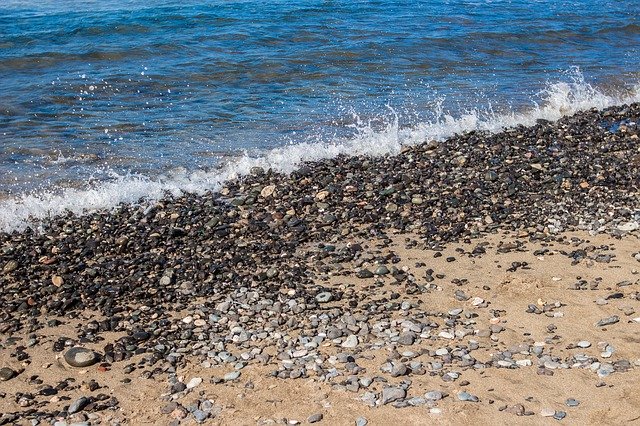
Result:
x=109 y=102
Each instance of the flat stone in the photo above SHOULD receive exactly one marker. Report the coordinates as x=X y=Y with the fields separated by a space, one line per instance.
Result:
x=466 y=396
x=407 y=338
x=78 y=405
x=7 y=373
x=392 y=394
x=200 y=416
x=571 y=402
x=381 y=270
x=350 y=342
x=559 y=415
x=361 y=421
x=315 y=418
x=608 y=321
x=233 y=375
x=364 y=273
x=547 y=412
x=324 y=297
x=584 y=344
x=81 y=357
x=194 y=382
x=434 y=395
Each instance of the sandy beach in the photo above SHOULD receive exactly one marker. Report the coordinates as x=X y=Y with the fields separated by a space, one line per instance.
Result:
x=486 y=279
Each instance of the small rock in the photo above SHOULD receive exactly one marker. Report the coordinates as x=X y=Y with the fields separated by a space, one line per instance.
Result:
x=466 y=396
x=81 y=357
x=361 y=421
x=194 y=382
x=231 y=376
x=7 y=373
x=434 y=395
x=350 y=342
x=200 y=416
x=571 y=402
x=392 y=394
x=78 y=405
x=584 y=344
x=547 y=412
x=315 y=418
x=559 y=415
x=608 y=321
x=324 y=297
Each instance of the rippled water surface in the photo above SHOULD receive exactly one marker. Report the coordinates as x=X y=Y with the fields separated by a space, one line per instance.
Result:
x=160 y=93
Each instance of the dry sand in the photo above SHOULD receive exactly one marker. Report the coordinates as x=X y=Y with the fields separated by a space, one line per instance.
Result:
x=258 y=398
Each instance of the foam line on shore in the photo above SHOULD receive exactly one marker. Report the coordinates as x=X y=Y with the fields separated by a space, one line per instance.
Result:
x=557 y=100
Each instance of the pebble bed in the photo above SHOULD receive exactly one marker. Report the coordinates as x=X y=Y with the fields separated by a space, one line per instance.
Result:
x=243 y=276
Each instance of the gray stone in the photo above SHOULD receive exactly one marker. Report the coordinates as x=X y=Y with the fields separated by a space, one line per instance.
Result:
x=324 y=297
x=407 y=338
x=364 y=273
x=584 y=344
x=233 y=375
x=200 y=416
x=361 y=421
x=559 y=415
x=571 y=402
x=466 y=396
x=78 y=405
x=434 y=395
x=81 y=357
x=6 y=373
x=194 y=382
x=608 y=321
x=392 y=394
x=315 y=418
x=381 y=270
x=350 y=342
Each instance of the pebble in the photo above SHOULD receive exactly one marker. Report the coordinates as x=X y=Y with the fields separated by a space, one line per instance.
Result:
x=559 y=415
x=434 y=395
x=324 y=297
x=7 y=373
x=466 y=396
x=608 y=321
x=391 y=394
x=194 y=382
x=200 y=416
x=361 y=421
x=78 y=405
x=547 y=412
x=233 y=375
x=350 y=342
x=572 y=402
x=81 y=357
x=584 y=344
x=315 y=418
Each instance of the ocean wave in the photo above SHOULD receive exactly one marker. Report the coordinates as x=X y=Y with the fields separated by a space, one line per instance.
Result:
x=555 y=101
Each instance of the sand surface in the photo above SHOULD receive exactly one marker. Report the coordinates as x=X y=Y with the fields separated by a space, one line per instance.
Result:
x=611 y=288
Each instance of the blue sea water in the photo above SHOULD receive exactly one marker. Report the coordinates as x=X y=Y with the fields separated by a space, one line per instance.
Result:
x=103 y=102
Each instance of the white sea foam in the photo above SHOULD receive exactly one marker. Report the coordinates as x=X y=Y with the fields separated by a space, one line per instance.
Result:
x=557 y=100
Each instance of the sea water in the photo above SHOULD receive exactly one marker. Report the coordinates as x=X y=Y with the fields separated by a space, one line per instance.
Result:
x=105 y=102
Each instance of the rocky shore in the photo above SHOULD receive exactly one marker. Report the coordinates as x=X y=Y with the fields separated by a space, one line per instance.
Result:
x=485 y=278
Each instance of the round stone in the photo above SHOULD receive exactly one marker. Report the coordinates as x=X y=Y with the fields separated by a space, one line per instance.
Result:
x=584 y=344
x=324 y=297
x=571 y=402
x=6 y=373
x=229 y=377
x=81 y=357
x=350 y=342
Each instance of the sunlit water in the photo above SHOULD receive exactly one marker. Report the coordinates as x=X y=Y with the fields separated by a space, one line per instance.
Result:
x=109 y=102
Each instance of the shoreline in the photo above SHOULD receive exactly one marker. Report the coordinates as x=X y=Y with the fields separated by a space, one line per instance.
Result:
x=346 y=278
